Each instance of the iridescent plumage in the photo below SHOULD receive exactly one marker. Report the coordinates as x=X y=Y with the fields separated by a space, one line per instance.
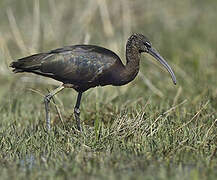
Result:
x=85 y=66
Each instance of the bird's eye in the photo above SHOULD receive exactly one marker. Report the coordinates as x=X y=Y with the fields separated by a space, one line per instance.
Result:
x=148 y=44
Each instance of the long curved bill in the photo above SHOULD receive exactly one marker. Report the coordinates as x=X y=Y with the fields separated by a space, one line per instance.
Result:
x=157 y=56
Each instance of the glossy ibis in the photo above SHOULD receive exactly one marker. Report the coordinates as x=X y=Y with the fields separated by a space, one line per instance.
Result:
x=86 y=66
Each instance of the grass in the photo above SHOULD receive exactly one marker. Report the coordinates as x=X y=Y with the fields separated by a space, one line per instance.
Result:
x=148 y=129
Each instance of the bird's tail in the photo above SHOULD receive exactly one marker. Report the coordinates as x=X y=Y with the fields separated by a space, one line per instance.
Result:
x=28 y=64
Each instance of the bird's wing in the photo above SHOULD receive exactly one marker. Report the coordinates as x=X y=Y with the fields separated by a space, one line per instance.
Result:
x=78 y=64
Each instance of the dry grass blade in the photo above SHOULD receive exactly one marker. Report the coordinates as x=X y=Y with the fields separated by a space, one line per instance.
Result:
x=36 y=27
x=58 y=111
x=193 y=117
x=6 y=56
x=167 y=113
x=16 y=32
x=86 y=38
x=39 y=80
x=124 y=126
x=177 y=95
x=126 y=15
x=87 y=16
x=37 y=92
x=150 y=85
x=107 y=25
x=206 y=135
x=174 y=107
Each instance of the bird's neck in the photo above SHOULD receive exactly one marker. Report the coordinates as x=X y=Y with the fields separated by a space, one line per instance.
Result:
x=132 y=62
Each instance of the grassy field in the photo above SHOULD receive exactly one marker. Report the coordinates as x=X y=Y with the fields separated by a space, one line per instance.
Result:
x=148 y=129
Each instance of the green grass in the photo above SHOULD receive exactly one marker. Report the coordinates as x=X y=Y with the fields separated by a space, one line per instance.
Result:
x=148 y=129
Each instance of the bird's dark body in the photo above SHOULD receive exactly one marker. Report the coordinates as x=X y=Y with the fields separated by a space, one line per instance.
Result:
x=81 y=66
x=85 y=66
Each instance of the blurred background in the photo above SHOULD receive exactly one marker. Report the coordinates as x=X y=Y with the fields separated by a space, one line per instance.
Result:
x=184 y=32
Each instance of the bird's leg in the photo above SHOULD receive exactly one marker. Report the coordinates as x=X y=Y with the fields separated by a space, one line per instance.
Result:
x=77 y=111
x=47 y=99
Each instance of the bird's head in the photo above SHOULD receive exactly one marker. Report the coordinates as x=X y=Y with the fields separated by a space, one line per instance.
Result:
x=142 y=44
